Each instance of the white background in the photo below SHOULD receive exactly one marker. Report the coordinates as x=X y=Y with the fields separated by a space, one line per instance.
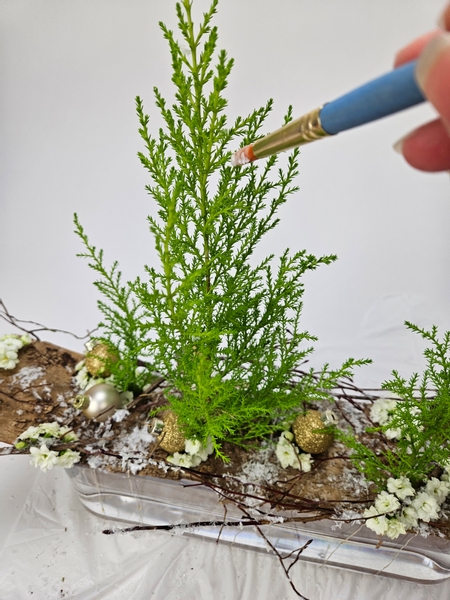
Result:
x=69 y=73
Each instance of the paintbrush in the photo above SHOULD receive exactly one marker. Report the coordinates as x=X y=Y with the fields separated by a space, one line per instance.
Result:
x=383 y=96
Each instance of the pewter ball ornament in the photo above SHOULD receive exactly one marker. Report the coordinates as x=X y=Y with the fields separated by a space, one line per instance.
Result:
x=98 y=402
x=307 y=438
x=171 y=439
x=97 y=359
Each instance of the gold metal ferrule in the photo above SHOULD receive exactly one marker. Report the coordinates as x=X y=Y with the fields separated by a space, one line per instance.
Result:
x=80 y=401
x=301 y=131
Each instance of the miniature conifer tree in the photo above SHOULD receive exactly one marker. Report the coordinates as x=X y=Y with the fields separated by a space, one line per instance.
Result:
x=121 y=326
x=223 y=329
x=419 y=421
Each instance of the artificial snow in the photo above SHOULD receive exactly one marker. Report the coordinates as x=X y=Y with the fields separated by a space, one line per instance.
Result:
x=133 y=449
x=259 y=469
x=120 y=415
x=27 y=375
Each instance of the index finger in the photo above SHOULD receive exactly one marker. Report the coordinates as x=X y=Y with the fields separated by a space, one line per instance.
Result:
x=414 y=49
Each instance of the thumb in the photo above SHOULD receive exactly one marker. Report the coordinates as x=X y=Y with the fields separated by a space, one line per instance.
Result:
x=433 y=75
x=428 y=147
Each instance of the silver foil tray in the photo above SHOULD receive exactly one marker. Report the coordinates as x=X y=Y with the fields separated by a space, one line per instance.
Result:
x=142 y=500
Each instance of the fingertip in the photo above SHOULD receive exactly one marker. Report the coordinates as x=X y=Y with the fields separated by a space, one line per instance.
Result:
x=427 y=148
x=414 y=49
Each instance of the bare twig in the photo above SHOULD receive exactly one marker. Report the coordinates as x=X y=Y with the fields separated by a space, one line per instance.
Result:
x=14 y=321
x=148 y=392
x=281 y=559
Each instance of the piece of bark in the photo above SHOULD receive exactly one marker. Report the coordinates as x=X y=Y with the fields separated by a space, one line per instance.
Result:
x=37 y=390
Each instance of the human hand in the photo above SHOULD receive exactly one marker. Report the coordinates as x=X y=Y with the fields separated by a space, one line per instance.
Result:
x=428 y=147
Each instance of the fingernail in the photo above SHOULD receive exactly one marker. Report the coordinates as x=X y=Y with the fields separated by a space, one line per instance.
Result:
x=398 y=146
x=428 y=57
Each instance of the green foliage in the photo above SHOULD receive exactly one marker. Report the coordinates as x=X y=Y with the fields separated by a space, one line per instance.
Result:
x=121 y=327
x=422 y=417
x=223 y=328
x=227 y=330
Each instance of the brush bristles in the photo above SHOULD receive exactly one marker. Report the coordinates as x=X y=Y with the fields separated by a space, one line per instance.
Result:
x=243 y=156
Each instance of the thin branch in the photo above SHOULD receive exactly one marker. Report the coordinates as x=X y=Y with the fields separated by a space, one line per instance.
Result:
x=281 y=558
x=14 y=321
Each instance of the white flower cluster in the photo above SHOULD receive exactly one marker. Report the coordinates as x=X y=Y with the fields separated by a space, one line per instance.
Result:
x=401 y=507
x=40 y=437
x=54 y=430
x=382 y=411
x=10 y=345
x=289 y=454
x=85 y=380
x=195 y=453
x=46 y=459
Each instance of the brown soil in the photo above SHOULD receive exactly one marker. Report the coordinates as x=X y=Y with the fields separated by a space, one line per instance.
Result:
x=38 y=390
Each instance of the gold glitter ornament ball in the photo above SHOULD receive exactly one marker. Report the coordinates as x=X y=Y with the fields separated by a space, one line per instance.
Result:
x=304 y=428
x=171 y=438
x=97 y=359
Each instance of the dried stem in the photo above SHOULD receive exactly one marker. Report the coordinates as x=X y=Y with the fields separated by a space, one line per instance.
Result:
x=14 y=321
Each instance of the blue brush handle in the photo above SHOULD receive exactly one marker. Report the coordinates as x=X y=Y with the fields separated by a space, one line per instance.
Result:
x=384 y=96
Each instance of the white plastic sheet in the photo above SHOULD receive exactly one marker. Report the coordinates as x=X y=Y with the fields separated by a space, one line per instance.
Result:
x=55 y=549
